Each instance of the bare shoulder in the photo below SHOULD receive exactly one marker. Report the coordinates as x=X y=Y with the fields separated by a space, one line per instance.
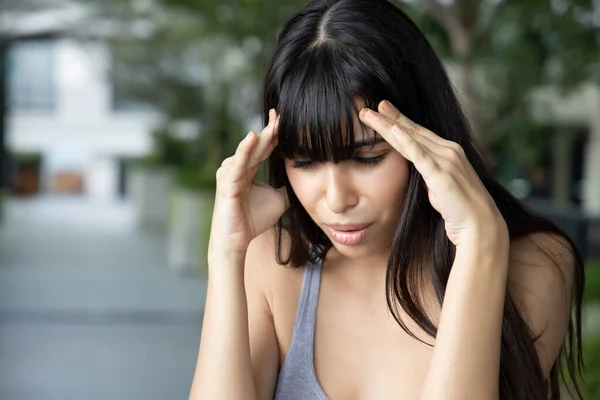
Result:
x=264 y=280
x=540 y=276
x=279 y=285
x=262 y=265
x=541 y=255
x=542 y=244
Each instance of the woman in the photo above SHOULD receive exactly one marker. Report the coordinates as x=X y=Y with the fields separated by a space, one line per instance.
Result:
x=410 y=271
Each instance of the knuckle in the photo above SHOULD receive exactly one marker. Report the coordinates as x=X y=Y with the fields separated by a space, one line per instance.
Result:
x=422 y=155
x=413 y=126
x=220 y=173
x=450 y=155
x=241 y=146
x=457 y=148
x=226 y=162
x=454 y=154
x=410 y=131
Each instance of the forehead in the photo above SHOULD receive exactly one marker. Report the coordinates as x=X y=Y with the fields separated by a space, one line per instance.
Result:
x=322 y=128
x=341 y=142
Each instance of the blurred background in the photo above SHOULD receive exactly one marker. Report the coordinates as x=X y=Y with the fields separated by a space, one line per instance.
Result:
x=115 y=114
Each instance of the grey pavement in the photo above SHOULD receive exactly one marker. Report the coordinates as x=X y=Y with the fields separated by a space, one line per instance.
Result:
x=88 y=307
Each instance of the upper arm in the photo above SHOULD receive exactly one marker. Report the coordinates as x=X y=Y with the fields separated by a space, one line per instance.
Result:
x=264 y=350
x=539 y=280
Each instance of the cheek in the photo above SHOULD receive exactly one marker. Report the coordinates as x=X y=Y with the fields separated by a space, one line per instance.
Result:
x=300 y=184
x=388 y=183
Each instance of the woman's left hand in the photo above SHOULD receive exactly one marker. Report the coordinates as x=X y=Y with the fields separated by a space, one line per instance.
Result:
x=454 y=188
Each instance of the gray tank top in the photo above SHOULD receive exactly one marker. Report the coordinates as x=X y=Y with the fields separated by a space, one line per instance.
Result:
x=297 y=378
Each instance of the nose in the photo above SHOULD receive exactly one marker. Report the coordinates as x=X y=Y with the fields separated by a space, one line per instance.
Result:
x=341 y=192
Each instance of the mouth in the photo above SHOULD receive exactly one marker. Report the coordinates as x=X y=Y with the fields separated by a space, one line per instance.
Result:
x=347 y=227
x=348 y=234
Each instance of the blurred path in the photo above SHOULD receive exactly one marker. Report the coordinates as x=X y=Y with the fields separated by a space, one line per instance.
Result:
x=88 y=308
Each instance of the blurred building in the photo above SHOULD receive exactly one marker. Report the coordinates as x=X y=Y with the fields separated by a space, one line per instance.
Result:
x=574 y=160
x=70 y=117
x=67 y=115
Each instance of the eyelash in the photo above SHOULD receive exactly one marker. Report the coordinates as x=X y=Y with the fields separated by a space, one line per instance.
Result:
x=360 y=160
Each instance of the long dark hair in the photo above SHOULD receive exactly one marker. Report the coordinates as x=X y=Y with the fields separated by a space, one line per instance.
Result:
x=335 y=52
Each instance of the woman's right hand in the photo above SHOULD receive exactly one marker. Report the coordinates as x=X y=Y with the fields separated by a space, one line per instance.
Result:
x=245 y=208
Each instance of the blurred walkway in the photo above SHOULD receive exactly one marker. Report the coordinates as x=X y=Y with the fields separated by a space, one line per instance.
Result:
x=88 y=308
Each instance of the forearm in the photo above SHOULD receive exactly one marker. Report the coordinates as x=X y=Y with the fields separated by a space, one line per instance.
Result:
x=466 y=356
x=224 y=368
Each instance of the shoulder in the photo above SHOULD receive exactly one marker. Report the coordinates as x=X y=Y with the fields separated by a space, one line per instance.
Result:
x=261 y=281
x=540 y=262
x=262 y=267
x=539 y=281
x=277 y=286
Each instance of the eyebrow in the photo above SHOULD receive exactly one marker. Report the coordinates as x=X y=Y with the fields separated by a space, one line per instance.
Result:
x=303 y=151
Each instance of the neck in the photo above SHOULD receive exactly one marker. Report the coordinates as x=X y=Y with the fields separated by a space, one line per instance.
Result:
x=364 y=272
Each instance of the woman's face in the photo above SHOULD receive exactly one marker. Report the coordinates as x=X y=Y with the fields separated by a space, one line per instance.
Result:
x=356 y=202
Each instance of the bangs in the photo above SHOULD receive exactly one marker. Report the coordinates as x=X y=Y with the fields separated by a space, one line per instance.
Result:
x=319 y=98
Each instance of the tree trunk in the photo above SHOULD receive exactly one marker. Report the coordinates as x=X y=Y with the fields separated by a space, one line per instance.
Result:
x=561 y=169
x=3 y=116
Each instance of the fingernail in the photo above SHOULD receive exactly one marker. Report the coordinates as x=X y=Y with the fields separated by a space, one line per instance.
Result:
x=372 y=115
x=386 y=106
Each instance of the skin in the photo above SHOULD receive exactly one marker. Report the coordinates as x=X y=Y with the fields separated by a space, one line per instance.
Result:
x=360 y=352
x=354 y=192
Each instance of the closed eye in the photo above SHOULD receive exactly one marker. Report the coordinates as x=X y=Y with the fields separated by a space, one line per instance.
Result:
x=360 y=160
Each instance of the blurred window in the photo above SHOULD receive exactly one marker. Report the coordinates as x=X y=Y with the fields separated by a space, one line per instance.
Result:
x=130 y=81
x=31 y=67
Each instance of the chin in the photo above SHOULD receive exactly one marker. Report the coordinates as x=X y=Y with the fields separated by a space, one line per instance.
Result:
x=355 y=251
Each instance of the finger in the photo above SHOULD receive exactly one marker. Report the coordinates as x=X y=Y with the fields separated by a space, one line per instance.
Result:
x=239 y=165
x=382 y=125
x=388 y=110
x=419 y=152
x=424 y=160
x=271 y=139
x=264 y=146
x=274 y=141
x=450 y=151
x=274 y=136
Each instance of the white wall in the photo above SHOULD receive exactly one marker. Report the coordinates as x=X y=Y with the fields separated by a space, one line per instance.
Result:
x=82 y=131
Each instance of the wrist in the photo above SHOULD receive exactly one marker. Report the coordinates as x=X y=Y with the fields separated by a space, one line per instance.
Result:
x=490 y=233
x=226 y=260
x=491 y=243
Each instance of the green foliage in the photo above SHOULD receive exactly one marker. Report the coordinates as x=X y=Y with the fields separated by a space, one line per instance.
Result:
x=524 y=144
x=591 y=340
x=592 y=283
x=241 y=19
x=514 y=46
x=26 y=158
x=197 y=177
x=168 y=149
x=591 y=372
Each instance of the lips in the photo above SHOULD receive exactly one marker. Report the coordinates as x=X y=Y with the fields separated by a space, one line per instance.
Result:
x=348 y=234
x=347 y=227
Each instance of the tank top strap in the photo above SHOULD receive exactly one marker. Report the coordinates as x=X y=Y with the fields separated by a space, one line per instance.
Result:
x=297 y=379
x=304 y=325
